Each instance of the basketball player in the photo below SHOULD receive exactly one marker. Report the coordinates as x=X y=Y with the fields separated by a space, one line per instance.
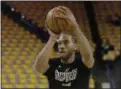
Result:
x=72 y=69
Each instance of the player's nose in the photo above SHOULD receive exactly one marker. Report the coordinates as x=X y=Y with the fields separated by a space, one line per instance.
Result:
x=62 y=48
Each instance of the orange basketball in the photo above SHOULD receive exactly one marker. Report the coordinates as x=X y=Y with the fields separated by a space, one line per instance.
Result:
x=56 y=19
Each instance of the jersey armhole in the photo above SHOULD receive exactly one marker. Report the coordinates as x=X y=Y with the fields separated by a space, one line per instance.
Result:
x=52 y=63
x=81 y=63
x=84 y=64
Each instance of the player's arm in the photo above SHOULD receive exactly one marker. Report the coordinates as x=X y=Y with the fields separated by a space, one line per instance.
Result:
x=84 y=47
x=41 y=63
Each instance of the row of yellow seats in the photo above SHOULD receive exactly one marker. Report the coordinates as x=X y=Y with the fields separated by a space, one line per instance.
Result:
x=15 y=31
x=25 y=86
x=13 y=46
x=30 y=76
x=19 y=58
x=12 y=55
x=18 y=71
x=24 y=81
x=31 y=85
x=16 y=62
x=17 y=47
x=17 y=66
x=28 y=38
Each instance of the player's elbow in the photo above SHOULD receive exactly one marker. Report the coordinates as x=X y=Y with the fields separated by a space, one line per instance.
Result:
x=36 y=68
x=90 y=61
x=41 y=66
x=37 y=64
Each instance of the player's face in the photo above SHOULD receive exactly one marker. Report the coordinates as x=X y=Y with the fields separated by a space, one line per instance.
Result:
x=65 y=45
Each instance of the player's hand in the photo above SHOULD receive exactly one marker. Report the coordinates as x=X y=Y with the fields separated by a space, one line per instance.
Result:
x=54 y=36
x=69 y=17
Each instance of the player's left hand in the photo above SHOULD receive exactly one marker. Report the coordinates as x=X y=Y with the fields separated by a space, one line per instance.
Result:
x=70 y=19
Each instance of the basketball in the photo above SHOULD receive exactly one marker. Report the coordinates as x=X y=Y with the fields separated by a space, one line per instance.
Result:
x=56 y=20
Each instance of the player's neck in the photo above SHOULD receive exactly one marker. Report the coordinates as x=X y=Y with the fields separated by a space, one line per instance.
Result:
x=70 y=59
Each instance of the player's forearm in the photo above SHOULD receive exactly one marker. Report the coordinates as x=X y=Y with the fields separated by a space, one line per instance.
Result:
x=84 y=45
x=85 y=48
x=43 y=57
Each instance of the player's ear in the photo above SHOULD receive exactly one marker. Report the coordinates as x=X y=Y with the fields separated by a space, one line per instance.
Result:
x=74 y=40
x=56 y=47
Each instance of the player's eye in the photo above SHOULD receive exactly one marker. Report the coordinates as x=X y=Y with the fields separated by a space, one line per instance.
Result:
x=59 y=42
x=66 y=41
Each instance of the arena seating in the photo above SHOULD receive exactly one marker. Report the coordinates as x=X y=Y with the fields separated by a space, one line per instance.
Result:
x=19 y=50
x=103 y=11
x=37 y=11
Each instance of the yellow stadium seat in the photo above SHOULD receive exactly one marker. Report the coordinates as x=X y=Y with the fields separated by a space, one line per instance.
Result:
x=27 y=49
x=14 y=40
x=12 y=57
x=22 y=57
x=19 y=85
x=12 y=76
x=32 y=57
x=25 y=66
x=8 y=85
x=17 y=49
x=8 y=62
x=31 y=41
x=14 y=53
x=4 y=58
x=27 y=62
x=19 y=71
x=12 y=45
x=23 y=81
x=27 y=33
x=6 y=67
x=3 y=44
x=18 y=62
x=19 y=37
x=23 y=41
x=31 y=85
x=32 y=75
x=15 y=66
x=29 y=71
x=23 y=76
x=33 y=81
x=13 y=81
x=24 y=53
x=92 y=85
x=4 y=81
x=91 y=82
x=6 y=53
x=2 y=76
x=8 y=70
x=44 y=80
x=45 y=85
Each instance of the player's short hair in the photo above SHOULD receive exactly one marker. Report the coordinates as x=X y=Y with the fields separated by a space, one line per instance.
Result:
x=72 y=37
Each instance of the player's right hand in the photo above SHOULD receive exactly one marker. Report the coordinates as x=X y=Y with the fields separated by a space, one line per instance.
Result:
x=53 y=35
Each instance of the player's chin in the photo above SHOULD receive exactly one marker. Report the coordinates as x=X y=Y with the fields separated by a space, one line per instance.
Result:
x=63 y=55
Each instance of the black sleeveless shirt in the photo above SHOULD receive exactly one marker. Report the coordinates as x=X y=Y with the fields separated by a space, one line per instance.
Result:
x=68 y=76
